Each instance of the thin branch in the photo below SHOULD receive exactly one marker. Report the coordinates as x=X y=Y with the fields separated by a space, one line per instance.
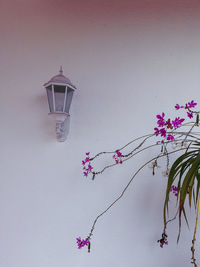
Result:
x=170 y=220
x=188 y=133
x=132 y=155
x=124 y=190
x=141 y=144
x=147 y=136
x=167 y=158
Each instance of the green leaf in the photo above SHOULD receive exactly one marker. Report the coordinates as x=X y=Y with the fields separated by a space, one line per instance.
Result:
x=184 y=189
x=174 y=171
x=197 y=119
x=196 y=143
x=198 y=186
x=185 y=217
x=187 y=180
x=190 y=188
x=184 y=167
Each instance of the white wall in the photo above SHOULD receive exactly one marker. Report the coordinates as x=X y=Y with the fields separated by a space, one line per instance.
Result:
x=129 y=60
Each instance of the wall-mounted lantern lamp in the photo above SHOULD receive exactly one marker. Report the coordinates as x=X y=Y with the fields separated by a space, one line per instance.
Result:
x=59 y=93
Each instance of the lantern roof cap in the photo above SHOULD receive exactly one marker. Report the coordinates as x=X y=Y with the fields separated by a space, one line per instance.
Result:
x=59 y=79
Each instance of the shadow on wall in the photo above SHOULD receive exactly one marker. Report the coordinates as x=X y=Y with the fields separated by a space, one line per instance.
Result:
x=47 y=124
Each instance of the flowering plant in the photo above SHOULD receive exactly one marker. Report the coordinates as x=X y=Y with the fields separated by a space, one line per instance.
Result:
x=183 y=174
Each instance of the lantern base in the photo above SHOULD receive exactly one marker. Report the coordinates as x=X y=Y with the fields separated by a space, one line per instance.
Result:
x=62 y=126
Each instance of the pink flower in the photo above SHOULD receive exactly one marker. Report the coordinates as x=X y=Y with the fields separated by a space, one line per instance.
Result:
x=87 y=167
x=87 y=160
x=174 y=190
x=119 y=154
x=85 y=174
x=163 y=241
x=117 y=157
x=161 y=121
x=163 y=132
x=190 y=115
x=82 y=243
x=177 y=106
x=156 y=131
x=168 y=124
x=160 y=117
x=90 y=167
x=177 y=122
x=170 y=137
x=191 y=104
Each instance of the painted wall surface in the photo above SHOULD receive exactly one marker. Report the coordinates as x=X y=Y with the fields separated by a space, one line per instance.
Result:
x=129 y=60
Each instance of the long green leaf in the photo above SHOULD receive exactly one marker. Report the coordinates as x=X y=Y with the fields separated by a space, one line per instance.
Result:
x=183 y=169
x=184 y=189
x=198 y=186
x=175 y=169
x=187 y=180
x=190 y=188
x=185 y=217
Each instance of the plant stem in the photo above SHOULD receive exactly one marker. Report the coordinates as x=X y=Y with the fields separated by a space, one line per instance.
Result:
x=147 y=136
x=194 y=236
x=133 y=154
x=126 y=187
x=188 y=133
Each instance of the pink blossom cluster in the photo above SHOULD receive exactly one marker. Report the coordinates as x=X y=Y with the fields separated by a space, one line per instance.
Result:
x=86 y=163
x=117 y=157
x=82 y=243
x=163 y=241
x=174 y=190
x=188 y=106
x=164 y=125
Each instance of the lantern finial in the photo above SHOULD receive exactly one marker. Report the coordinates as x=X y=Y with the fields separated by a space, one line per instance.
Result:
x=61 y=70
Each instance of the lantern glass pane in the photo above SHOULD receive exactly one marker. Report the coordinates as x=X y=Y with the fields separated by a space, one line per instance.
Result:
x=59 y=92
x=50 y=98
x=69 y=99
